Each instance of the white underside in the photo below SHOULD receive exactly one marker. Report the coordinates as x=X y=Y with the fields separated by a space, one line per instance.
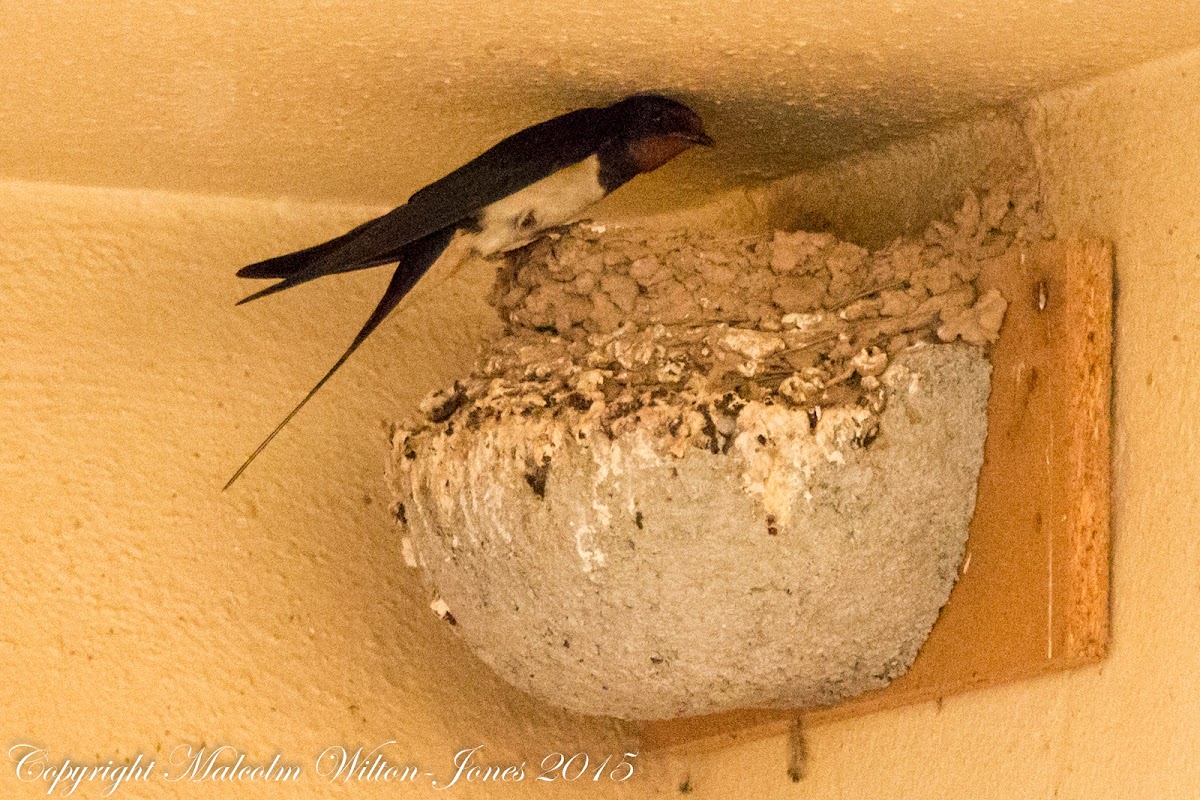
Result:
x=553 y=201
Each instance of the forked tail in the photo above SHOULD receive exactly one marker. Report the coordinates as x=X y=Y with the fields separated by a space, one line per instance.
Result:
x=415 y=261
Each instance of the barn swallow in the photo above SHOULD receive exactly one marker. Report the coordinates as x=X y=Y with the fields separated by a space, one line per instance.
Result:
x=537 y=179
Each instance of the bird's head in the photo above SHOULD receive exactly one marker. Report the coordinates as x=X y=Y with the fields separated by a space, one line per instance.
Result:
x=657 y=129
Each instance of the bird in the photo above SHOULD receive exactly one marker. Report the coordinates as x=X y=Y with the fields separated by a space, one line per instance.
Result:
x=536 y=180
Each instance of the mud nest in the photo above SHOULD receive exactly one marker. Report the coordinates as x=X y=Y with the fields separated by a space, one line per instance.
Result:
x=642 y=367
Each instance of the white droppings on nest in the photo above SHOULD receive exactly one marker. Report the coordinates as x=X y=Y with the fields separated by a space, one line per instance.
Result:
x=671 y=372
x=803 y=388
x=410 y=555
x=803 y=322
x=781 y=448
x=660 y=393
x=755 y=345
x=870 y=361
x=799 y=319
x=589 y=556
x=440 y=607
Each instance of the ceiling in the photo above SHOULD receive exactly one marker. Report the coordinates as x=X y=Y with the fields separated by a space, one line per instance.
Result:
x=365 y=100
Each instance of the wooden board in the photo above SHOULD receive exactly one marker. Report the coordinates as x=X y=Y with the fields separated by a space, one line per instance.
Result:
x=1032 y=596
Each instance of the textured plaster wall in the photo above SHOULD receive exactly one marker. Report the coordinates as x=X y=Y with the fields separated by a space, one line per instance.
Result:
x=1121 y=159
x=366 y=100
x=140 y=607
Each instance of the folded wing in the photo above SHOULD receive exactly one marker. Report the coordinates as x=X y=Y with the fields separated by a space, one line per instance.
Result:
x=515 y=163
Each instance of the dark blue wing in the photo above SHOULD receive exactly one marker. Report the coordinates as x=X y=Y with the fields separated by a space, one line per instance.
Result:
x=511 y=165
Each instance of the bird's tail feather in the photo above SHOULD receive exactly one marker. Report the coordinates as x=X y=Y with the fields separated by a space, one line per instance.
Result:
x=296 y=268
x=415 y=261
x=299 y=277
x=272 y=289
x=287 y=265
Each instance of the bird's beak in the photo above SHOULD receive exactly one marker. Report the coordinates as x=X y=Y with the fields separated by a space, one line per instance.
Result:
x=701 y=139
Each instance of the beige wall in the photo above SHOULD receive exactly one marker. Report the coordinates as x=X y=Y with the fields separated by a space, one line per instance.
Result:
x=140 y=607
x=364 y=101
x=1121 y=160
